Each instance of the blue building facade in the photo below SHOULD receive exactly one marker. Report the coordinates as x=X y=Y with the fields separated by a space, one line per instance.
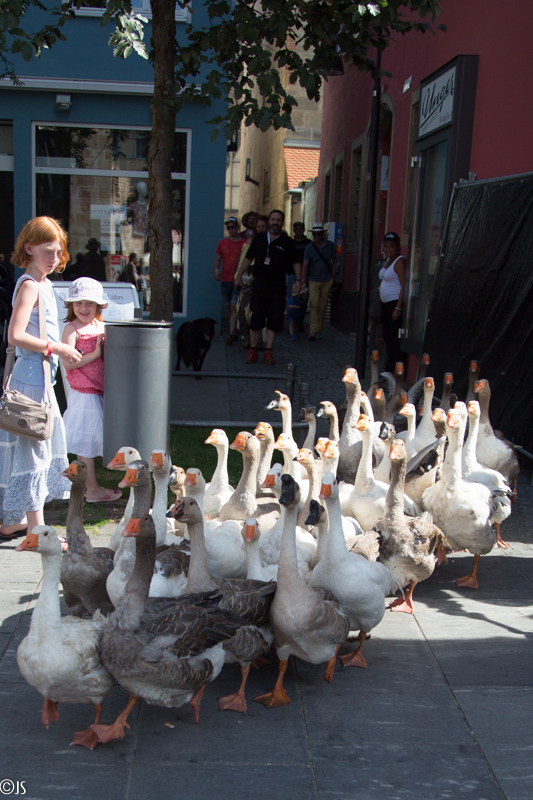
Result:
x=73 y=145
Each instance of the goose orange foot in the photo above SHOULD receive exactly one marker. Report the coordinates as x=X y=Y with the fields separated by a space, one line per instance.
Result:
x=116 y=730
x=49 y=713
x=470 y=581
x=88 y=739
x=405 y=603
x=402 y=605
x=499 y=541
x=106 y=733
x=233 y=702
x=277 y=697
x=355 y=659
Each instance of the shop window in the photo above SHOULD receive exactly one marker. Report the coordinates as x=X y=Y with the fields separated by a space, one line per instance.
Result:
x=354 y=207
x=95 y=181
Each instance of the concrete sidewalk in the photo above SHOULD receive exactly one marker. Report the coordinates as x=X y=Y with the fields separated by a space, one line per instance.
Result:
x=443 y=711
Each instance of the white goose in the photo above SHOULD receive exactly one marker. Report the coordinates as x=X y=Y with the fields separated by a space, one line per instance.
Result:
x=255 y=570
x=60 y=657
x=360 y=586
x=475 y=472
x=243 y=503
x=492 y=451
x=425 y=432
x=265 y=434
x=225 y=551
x=121 y=461
x=462 y=510
x=367 y=500
x=219 y=490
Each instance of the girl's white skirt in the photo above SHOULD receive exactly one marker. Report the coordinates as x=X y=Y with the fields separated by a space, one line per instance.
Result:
x=84 y=424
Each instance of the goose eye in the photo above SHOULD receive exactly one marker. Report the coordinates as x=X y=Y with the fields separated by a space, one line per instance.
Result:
x=46 y=533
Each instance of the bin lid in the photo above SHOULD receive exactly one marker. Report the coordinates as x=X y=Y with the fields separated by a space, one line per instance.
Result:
x=139 y=323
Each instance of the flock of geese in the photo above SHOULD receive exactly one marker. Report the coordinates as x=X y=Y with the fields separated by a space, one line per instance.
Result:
x=296 y=556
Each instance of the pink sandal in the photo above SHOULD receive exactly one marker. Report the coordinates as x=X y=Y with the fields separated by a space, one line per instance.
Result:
x=103 y=496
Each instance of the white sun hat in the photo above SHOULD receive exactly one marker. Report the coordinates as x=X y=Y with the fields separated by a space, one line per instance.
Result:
x=86 y=289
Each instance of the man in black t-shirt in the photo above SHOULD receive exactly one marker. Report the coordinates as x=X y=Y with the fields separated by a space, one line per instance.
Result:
x=273 y=253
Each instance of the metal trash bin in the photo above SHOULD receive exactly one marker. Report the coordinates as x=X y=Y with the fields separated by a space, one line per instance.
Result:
x=137 y=376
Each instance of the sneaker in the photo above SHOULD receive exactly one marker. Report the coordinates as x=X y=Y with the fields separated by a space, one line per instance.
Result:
x=268 y=358
x=312 y=337
x=294 y=336
x=252 y=356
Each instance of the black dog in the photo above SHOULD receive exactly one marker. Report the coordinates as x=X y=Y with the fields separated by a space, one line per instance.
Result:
x=194 y=340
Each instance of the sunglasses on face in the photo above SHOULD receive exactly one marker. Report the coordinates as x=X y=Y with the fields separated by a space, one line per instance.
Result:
x=231 y=227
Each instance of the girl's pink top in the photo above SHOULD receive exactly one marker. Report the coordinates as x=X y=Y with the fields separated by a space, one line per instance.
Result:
x=90 y=378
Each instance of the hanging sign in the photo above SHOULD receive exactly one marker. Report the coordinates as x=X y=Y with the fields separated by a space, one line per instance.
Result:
x=436 y=103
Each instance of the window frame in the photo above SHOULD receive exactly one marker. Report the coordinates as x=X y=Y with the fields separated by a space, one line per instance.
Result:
x=181 y=14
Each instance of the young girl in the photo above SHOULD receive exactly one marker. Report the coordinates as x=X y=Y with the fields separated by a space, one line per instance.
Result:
x=30 y=471
x=85 y=405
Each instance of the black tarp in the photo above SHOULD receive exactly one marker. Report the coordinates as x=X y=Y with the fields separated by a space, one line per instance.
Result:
x=482 y=299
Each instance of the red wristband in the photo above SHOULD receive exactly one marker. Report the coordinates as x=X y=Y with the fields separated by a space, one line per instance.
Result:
x=49 y=349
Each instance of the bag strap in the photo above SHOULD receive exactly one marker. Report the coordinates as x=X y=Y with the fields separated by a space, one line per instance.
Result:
x=46 y=359
x=323 y=258
x=10 y=355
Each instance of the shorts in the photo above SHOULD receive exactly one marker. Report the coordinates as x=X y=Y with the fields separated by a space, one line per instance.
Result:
x=229 y=292
x=267 y=306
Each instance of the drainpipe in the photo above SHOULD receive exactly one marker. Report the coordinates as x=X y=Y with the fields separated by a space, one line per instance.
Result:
x=366 y=263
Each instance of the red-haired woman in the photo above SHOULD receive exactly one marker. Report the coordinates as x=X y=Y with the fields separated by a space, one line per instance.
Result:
x=30 y=471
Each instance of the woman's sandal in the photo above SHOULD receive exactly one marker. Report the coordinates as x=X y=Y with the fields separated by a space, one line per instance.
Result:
x=103 y=496
x=8 y=537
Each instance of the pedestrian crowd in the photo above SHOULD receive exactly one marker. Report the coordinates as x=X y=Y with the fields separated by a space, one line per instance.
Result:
x=266 y=275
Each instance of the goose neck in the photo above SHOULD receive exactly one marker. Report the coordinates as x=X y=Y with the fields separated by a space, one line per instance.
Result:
x=199 y=579
x=394 y=499
x=288 y=557
x=77 y=537
x=133 y=602
x=47 y=612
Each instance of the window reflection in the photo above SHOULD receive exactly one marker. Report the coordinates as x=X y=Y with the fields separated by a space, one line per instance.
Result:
x=84 y=178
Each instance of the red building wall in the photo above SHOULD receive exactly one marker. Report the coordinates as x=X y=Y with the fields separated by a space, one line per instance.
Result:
x=503 y=106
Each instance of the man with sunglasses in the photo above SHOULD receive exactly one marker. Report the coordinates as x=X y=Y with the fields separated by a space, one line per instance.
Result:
x=227 y=256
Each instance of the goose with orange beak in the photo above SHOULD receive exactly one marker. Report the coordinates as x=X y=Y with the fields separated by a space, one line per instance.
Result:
x=492 y=451
x=218 y=491
x=165 y=655
x=136 y=478
x=120 y=462
x=60 y=656
x=84 y=568
x=264 y=432
x=463 y=511
x=307 y=622
x=474 y=472
x=359 y=585
x=243 y=503
x=407 y=544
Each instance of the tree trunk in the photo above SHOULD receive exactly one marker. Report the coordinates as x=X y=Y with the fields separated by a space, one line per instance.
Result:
x=160 y=159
